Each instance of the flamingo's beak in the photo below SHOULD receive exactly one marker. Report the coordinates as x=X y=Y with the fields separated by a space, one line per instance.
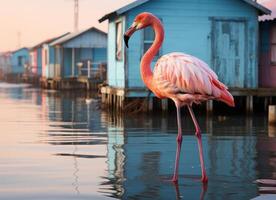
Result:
x=129 y=32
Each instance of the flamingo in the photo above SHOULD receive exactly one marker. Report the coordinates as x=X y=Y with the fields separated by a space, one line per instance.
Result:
x=180 y=77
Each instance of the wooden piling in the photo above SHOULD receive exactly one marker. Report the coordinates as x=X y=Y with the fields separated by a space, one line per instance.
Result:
x=209 y=106
x=150 y=104
x=164 y=104
x=272 y=114
x=249 y=104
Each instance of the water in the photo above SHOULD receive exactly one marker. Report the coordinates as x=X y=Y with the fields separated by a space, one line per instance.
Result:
x=56 y=146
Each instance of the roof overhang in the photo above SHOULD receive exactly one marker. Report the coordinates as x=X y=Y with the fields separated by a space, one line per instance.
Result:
x=122 y=10
x=71 y=36
x=262 y=10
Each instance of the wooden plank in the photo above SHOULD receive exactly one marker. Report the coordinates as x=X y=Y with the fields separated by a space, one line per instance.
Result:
x=267 y=181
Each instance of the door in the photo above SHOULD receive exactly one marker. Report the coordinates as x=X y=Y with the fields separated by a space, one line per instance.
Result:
x=229 y=52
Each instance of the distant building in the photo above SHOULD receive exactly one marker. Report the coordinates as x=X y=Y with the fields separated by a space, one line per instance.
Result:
x=5 y=64
x=38 y=54
x=39 y=57
x=222 y=33
x=267 y=77
x=72 y=53
x=19 y=61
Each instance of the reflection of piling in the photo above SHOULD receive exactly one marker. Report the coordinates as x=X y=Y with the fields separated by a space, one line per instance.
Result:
x=249 y=104
x=272 y=114
x=271 y=130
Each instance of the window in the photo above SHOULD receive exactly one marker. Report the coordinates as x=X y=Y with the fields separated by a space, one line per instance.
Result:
x=149 y=36
x=119 y=45
x=20 y=60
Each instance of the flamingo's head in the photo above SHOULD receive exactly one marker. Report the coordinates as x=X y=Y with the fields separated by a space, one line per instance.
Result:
x=141 y=21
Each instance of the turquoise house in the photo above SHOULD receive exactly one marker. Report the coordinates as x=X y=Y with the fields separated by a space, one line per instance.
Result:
x=19 y=61
x=72 y=52
x=223 y=33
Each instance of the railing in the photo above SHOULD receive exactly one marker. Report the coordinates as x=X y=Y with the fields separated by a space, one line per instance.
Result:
x=30 y=71
x=93 y=70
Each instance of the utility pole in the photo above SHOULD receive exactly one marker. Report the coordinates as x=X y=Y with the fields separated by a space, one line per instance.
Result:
x=76 y=16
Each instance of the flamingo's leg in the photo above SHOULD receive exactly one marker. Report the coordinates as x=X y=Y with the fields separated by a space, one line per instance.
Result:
x=179 y=142
x=199 y=142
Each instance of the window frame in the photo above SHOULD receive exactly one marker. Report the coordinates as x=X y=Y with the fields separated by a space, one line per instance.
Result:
x=273 y=43
x=121 y=42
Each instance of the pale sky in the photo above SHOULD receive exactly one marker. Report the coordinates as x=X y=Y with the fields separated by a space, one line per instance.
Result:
x=38 y=20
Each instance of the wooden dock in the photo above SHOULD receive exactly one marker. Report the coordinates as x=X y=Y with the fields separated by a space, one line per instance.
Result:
x=119 y=98
x=71 y=83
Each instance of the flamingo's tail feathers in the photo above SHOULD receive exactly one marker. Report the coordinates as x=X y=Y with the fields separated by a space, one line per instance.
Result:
x=227 y=98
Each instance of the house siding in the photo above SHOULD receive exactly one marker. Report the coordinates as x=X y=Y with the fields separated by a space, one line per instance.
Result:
x=188 y=29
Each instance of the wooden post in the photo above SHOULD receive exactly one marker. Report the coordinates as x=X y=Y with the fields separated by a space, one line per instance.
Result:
x=209 y=124
x=164 y=104
x=122 y=102
x=265 y=103
x=103 y=98
x=209 y=106
x=73 y=62
x=249 y=104
x=88 y=69
x=88 y=85
x=150 y=104
x=272 y=114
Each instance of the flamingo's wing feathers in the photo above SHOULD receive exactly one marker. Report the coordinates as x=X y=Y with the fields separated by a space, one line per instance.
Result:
x=178 y=72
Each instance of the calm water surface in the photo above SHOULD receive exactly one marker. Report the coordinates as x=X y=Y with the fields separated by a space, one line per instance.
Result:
x=57 y=146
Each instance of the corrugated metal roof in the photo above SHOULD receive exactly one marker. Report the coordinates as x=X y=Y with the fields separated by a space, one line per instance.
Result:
x=263 y=10
x=74 y=35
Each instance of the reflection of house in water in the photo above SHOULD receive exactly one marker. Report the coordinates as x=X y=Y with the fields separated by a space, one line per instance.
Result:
x=141 y=152
x=77 y=137
x=266 y=157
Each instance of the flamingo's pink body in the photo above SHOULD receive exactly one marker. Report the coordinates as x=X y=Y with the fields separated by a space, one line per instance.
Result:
x=183 y=78
x=188 y=80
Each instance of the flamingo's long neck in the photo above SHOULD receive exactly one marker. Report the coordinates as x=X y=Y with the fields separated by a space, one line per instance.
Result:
x=145 y=68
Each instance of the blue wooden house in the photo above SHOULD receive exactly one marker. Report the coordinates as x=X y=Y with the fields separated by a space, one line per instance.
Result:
x=19 y=61
x=72 y=53
x=223 y=33
x=38 y=55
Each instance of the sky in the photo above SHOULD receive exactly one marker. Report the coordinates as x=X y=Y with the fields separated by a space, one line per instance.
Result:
x=38 y=20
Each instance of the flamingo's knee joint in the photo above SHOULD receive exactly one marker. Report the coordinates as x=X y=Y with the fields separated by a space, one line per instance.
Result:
x=198 y=134
x=179 y=139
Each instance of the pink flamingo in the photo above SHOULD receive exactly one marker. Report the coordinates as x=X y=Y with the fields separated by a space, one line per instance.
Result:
x=183 y=78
